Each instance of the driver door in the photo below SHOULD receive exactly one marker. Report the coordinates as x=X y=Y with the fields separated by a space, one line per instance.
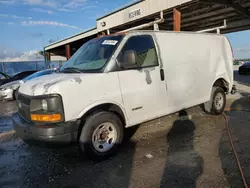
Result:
x=142 y=83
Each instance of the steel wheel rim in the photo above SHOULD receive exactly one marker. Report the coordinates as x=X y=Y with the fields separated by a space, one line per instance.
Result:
x=219 y=101
x=104 y=137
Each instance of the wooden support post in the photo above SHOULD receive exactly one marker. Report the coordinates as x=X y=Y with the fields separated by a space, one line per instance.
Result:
x=177 y=20
x=67 y=51
x=101 y=34
x=47 y=59
x=47 y=56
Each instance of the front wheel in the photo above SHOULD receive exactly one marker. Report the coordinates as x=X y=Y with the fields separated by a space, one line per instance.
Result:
x=101 y=135
x=217 y=102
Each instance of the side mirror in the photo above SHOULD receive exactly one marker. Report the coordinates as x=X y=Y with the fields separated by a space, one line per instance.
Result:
x=129 y=60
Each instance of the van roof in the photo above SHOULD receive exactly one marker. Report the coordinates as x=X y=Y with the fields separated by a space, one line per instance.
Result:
x=165 y=31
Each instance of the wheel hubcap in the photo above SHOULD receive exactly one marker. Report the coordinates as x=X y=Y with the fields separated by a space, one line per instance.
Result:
x=104 y=137
x=219 y=101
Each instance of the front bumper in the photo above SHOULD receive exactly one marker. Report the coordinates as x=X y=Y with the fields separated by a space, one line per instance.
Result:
x=60 y=133
x=6 y=94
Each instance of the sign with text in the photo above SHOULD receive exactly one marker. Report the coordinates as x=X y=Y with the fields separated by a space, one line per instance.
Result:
x=134 y=13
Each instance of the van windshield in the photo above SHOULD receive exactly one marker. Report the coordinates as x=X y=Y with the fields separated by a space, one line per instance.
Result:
x=93 y=55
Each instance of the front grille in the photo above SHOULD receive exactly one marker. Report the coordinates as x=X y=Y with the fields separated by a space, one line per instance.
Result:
x=23 y=99
x=23 y=103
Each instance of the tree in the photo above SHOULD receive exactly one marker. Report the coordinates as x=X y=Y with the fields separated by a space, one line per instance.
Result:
x=41 y=53
x=52 y=41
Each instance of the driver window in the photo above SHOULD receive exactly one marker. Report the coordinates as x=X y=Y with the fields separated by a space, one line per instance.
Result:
x=144 y=48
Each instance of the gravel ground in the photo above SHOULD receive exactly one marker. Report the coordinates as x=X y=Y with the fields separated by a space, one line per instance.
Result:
x=168 y=152
x=164 y=153
x=240 y=131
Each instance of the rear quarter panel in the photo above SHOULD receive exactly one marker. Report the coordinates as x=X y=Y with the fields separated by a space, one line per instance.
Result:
x=192 y=63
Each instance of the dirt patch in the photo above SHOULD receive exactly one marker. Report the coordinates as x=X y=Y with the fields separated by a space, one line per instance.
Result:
x=240 y=130
x=7 y=108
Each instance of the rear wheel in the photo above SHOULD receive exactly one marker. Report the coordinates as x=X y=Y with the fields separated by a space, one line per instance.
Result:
x=101 y=135
x=217 y=102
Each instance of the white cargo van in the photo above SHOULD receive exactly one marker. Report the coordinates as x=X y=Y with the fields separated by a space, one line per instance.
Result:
x=118 y=81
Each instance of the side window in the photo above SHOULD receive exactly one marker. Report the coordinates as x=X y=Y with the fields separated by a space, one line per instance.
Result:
x=144 y=49
x=15 y=77
x=21 y=75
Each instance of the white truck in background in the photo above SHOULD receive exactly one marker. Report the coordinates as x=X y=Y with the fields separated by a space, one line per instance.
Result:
x=118 y=81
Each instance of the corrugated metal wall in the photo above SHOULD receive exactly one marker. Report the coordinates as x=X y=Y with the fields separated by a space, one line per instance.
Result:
x=137 y=11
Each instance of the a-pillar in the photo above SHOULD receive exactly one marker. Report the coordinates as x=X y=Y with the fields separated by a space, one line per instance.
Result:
x=67 y=51
x=177 y=20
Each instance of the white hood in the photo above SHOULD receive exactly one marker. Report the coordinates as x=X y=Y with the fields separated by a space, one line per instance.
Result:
x=78 y=90
x=50 y=83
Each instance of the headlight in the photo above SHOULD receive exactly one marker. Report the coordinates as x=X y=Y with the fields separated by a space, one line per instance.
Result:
x=45 y=105
x=47 y=109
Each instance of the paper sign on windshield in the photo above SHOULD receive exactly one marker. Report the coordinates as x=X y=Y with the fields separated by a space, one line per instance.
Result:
x=110 y=42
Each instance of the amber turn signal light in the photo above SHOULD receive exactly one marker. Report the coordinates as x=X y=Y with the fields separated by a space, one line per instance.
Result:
x=46 y=117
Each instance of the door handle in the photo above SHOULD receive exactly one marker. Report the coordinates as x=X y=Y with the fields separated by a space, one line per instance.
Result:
x=162 y=75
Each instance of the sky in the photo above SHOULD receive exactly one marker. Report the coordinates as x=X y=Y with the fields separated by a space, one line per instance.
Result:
x=28 y=25
x=240 y=42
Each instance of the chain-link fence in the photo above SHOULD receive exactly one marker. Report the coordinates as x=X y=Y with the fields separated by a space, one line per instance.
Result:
x=12 y=68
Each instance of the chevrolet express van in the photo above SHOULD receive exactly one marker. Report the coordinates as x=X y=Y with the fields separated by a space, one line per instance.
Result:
x=118 y=81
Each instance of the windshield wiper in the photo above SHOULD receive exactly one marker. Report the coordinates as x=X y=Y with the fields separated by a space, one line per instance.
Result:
x=71 y=69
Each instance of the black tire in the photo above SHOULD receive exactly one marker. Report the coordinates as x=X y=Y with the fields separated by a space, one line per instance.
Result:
x=210 y=106
x=91 y=124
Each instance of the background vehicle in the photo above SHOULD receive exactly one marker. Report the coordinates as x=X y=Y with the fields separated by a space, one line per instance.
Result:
x=18 y=76
x=120 y=81
x=3 y=78
x=245 y=68
x=21 y=75
x=9 y=91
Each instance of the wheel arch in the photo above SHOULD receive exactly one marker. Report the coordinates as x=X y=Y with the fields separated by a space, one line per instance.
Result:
x=105 y=106
x=221 y=82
